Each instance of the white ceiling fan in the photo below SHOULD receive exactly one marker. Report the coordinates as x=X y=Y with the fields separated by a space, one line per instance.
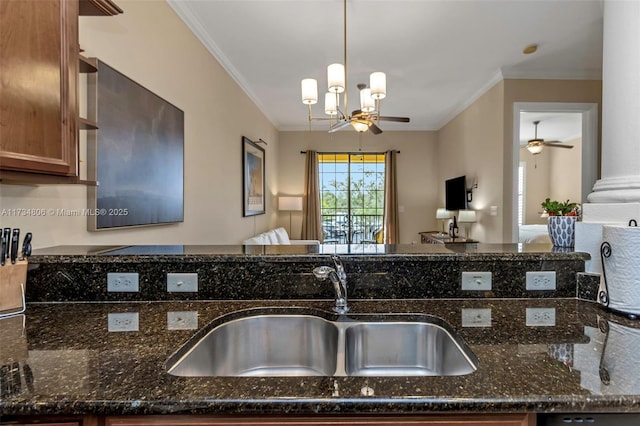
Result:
x=535 y=145
x=363 y=119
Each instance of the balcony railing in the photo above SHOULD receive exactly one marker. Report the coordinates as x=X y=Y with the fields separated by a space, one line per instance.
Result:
x=352 y=229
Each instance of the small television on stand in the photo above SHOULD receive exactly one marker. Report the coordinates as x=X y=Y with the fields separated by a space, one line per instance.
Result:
x=456 y=193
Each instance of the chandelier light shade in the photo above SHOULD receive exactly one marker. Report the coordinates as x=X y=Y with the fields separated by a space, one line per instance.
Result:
x=360 y=126
x=336 y=78
x=367 y=117
x=378 y=85
x=331 y=103
x=309 y=91
x=367 y=103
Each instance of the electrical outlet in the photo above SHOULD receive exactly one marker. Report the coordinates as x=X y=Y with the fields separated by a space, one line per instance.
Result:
x=123 y=321
x=474 y=317
x=476 y=281
x=182 y=282
x=540 y=317
x=541 y=280
x=122 y=281
x=182 y=320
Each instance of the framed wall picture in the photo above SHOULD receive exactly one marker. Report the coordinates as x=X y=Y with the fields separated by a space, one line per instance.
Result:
x=253 y=184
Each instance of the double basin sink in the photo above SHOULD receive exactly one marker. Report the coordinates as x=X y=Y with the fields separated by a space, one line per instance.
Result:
x=297 y=342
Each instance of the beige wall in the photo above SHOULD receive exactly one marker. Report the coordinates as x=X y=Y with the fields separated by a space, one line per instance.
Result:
x=417 y=164
x=472 y=145
x=152 y=46
x=537 y=184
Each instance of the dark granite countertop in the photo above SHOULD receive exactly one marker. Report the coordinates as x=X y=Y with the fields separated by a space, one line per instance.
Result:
x=293 y=253
x=70 y=363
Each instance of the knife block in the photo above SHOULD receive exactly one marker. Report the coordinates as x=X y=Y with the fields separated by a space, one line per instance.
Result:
x=13 y=285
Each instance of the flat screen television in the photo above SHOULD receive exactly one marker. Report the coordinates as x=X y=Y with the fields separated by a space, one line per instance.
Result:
x=456 y=193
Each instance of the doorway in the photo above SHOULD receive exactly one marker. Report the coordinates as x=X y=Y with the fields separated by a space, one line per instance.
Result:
x=572 y=123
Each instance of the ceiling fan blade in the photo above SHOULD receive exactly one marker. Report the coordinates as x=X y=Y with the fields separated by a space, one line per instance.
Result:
x=398 y=119
x=557 y=145
x=374 y=129
x=338 y=126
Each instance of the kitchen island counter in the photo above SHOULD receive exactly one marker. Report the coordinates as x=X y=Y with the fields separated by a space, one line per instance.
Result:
x=76 y=365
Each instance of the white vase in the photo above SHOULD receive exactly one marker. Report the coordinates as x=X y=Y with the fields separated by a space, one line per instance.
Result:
x=562 y=230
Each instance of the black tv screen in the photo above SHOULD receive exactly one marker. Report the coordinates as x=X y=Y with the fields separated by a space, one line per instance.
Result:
x=456 y=193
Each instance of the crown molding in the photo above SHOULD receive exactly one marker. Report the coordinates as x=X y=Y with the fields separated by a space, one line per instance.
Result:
x=184 y=12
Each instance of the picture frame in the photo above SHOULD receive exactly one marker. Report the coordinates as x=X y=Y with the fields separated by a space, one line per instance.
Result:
x=253 y=178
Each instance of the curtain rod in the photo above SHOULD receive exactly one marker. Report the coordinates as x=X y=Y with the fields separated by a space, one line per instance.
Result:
x=351 y=152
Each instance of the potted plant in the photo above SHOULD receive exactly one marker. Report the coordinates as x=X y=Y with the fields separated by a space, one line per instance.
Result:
x=562 y=221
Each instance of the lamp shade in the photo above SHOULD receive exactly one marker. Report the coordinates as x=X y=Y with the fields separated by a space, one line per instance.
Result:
x=367 y=103
x=336 y=78
x=292 y=204
x=331 y=103
x=378 y=85
x=468 y=216
x=442 y=213
x=309 y=91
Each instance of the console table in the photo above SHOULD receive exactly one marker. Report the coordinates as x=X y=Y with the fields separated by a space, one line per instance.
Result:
x=434 y=237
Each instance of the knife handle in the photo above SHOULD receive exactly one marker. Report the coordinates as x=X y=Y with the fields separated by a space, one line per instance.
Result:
x=3 y=245
x=14 y=244
x=26 y=245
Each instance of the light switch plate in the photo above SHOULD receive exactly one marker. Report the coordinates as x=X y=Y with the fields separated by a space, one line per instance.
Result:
x=182 y=282
x=476 y=281
x=182 y=320
x=476 y=317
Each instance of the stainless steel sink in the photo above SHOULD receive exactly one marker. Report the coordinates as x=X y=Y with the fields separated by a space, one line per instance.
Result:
x=405 y=349
x=263 y=345
x=289 y=344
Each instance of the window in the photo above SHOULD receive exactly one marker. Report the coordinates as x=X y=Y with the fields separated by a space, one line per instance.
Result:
x=351 y=197
x=522 y=169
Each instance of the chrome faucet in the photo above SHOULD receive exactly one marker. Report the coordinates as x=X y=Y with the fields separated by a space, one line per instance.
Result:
x=338 y=278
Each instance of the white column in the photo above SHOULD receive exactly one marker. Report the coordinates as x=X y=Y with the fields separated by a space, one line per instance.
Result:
x=620 y=182
x=616 y=196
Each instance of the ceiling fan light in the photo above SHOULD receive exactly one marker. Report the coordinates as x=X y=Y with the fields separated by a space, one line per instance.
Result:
x=534 y=148
x=360 y=126
x=378 y=84
x=336 y=78
x=367 y=103
x=309 y=91
x=331 y=102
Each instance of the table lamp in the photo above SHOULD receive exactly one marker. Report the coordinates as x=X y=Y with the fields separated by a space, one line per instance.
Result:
x=290 y=204
x=468 y=217
x=443 y=215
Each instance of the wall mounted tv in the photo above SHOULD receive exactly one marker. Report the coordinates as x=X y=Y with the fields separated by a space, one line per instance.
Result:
x=456 y=193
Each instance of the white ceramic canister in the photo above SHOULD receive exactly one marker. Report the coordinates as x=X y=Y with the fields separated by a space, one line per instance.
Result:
x=620 y=253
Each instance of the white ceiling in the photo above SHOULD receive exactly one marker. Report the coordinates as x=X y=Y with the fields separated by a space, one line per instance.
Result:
x=439 y=55
x=553 y=126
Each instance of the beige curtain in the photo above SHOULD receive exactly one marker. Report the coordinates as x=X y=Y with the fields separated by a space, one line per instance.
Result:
x=311 y=220
x=391 y=223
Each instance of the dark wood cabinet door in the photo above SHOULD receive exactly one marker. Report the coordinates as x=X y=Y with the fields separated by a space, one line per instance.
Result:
x=38 y=86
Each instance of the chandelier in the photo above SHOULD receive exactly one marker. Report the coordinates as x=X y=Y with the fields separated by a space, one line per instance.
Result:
x=361 y=120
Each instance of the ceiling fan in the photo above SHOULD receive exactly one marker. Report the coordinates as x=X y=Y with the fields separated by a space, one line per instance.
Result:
x=363 y=119
x=536 y=145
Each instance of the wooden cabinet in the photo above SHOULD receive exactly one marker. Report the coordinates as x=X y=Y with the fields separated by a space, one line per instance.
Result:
x=397 y=420
x=38 y=94
x=39 y=66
